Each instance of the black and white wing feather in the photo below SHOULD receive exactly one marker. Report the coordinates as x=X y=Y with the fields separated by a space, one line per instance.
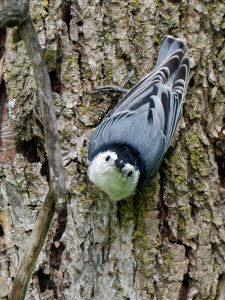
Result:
x=147 y=116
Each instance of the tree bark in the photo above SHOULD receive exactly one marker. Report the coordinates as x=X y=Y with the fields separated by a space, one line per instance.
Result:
x=166 y=242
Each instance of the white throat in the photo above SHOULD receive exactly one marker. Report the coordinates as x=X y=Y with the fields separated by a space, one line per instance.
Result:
x=118 y=184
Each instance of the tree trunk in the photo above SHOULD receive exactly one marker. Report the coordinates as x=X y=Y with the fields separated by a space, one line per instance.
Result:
x=168 y=241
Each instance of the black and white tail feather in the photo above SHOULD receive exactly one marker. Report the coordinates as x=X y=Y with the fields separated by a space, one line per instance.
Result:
x=145 y=120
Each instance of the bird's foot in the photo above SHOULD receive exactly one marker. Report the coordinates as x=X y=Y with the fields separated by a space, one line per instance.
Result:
x=114 y=88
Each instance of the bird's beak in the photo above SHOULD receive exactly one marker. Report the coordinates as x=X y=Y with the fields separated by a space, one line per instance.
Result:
x=119 y=164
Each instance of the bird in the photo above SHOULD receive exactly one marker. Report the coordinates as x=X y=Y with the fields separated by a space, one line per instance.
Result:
x=127 y=148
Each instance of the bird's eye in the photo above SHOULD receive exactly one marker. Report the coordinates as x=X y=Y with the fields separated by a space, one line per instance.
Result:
x=129 y=174
x=107 y=158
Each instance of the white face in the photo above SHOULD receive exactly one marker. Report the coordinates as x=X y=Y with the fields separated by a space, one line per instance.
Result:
x=117 y=180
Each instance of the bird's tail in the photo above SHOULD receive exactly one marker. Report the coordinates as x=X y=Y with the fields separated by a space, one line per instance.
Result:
x=168 y=47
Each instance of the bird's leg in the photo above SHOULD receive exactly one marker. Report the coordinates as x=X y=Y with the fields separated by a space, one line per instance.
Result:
x=114 y=88
x=109 y=88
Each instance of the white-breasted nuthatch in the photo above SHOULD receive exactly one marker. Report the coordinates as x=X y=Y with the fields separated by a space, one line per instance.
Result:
x=127 y=147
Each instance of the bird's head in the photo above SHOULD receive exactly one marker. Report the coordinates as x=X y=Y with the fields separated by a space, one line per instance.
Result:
x=114 y=173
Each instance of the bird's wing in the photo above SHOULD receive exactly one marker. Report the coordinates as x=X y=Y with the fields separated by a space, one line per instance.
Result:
x=173 y=103
x=164 y=74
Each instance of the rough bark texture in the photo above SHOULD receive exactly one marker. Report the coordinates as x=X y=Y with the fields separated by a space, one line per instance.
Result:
x=167 y=242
